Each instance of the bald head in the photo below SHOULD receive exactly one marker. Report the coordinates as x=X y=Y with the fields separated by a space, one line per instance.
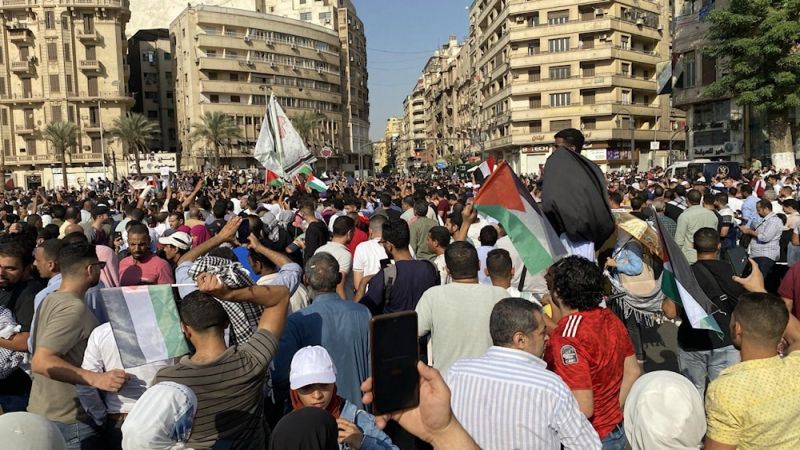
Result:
x=73 y=228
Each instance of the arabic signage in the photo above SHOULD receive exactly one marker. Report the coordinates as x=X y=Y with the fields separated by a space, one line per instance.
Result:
x=152 y=163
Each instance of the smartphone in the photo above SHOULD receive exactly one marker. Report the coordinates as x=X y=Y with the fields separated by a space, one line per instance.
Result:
x=294 y=247
x=394 y=353
x=737 y=257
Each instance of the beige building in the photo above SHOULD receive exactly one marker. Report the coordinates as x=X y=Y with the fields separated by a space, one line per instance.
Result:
x=152 y=14
x=152 y=84
x=340 y=17
x=229 y=60
x=388 y=147
x=62 y=61
x=413 y=135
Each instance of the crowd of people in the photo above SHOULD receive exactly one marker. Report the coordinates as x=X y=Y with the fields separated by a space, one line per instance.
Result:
x=275 y=287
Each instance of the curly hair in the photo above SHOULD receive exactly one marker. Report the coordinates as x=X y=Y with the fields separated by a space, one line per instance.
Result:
x=578 y=282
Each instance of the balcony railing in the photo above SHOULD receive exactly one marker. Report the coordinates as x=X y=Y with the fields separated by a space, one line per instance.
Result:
x=87 y=36
x=19 y=35
x=92 y=65
x=22 y=66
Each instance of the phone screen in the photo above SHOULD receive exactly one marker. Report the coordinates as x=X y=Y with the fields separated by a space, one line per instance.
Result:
x=394 y=356
x=737 y=257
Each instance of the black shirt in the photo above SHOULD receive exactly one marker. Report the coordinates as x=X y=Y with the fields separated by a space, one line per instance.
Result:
x=19 y=299
x=316 y=236
x=715 y=278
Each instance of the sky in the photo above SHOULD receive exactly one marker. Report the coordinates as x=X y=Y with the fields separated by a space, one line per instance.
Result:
x=401 y=36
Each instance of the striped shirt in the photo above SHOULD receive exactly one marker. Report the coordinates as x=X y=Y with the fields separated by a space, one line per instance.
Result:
x=507 y=399
x=768 y=241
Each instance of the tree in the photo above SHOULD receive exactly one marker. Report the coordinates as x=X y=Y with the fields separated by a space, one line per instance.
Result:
x=63 y=135
x=304 y=125
x=216 y=129
x=134 y=130
x=756 y=42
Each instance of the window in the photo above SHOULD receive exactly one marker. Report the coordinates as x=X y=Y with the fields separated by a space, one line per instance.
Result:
x=214 y=98
x=235 y=99
x=625 y=69
x=96 y=145
x=234 y=76
x=690 y=69
x=29 y=123
x=152 y=114
x=1 y=55
x=588 y=70
x=168 y=76
x=52 y=51
x=558 y=17
x=625 y=42
x=625 y=96
x=151 y=95
x=534 y=74
x=54 y=84
x=65 y=22
x=2 y=87
x=55 y=114
x=170 y=95
x=535 y=126
x=588 y=97
x=558 y=125
x=323 y=16
x=306 y=16
x=533 y=47
x=27 y=91
x=211 y=53
x=560 y=99
x=68 y=84
x=589 y=123
x=533 y=21
x=232 y=54
x=625 y=123
x=167 y=56
x=88 y=23
x=49 y=19
x=70 y=114
x=558 y=45
x=535 y=101
x=559 y=72
x=30 y=146
x=709 y=69
x=67 y=53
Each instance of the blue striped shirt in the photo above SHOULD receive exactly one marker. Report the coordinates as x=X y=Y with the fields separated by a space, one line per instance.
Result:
x=507 y=399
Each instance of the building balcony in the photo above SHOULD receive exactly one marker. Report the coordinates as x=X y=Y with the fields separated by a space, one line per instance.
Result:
x=25 y=129
x=597 y=53
x=88 y=36
x=23 y=67
x=84 y=158
x=597 y=81
x=13 y=4
x=21 y=98
x=30 y=159
x=499 y=142
x=608 y=108
x=526 y=6
x=683 y=97
x=596 y=24
x=90 y=65
x=20 y=36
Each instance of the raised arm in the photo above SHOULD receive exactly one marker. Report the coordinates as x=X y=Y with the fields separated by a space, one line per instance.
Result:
x=227 y=234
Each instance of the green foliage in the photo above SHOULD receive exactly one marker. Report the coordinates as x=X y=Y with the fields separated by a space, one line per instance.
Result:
x=757 y=43
x=134 y=130
x=216 y=129
x=63 y=135
x=304 y=124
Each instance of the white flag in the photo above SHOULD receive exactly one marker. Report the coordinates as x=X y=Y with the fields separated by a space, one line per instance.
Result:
x=265 y=152
x=292 y=148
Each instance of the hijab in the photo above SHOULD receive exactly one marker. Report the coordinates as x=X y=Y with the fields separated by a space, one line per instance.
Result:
x=664 y=410
x=162 y=418
x=200 y=234
x=27 y=431
x=334 y=407
x=305 y=429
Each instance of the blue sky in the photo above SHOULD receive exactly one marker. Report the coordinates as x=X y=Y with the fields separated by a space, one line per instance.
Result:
x=401 y=36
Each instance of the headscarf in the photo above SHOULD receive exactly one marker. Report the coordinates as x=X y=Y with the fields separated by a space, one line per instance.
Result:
x=28 y=431
x=305 y=429
x=162 y=418
x=334 y=407
x=664 y=411
x=199 y=234
x=109 y=275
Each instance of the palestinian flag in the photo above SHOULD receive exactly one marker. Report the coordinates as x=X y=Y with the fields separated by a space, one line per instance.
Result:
x=273 y=179
x=504 y=198
x=679 y=284
x=145 y=323
x=311 y=181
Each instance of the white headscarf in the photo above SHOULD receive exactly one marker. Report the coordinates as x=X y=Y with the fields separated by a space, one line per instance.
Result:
x=27 y=431
x=664 y=411
x=162 y=418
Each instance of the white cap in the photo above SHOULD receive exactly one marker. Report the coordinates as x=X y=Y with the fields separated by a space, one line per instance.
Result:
x=311 y=365
x=179 y=239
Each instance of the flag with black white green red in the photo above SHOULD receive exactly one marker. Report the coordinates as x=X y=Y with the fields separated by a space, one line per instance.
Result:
x=311 y=181
x=680 y=285
x=504 y=198
x=273 y=179
x=145 y=323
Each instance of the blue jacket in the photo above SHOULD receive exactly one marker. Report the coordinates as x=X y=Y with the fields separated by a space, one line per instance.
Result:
x=374 y=437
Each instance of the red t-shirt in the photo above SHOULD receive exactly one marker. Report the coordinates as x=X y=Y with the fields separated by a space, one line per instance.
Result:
x=790 y=288
x=358 y=237
x=154 y=270
x=588 y=350
x=443 y=207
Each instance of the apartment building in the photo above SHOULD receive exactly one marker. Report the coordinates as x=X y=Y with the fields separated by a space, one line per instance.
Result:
x=61 y=61
x=413 y=134
x=152 y=14
x=386 y=150
x=152 y=85
x=716 y=127
x=341 y=17
x=230 y=60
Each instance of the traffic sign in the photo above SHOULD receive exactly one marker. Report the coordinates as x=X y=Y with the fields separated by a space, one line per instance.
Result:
x=655 y=145
x=325 y=152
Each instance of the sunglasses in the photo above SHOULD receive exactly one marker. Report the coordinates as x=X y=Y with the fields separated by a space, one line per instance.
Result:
x=100 y=264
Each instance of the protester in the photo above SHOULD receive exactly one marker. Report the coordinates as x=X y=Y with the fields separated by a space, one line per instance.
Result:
x=162 y=418
x=692 y=219
x=342 y=234
x=766 y=234
x=420 y=229
x=142 y=267
x=26 y=431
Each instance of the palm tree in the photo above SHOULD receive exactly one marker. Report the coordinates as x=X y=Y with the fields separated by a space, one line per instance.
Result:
x=216 y=129
x=304 y=124
x=134 y=130
x=63 y=135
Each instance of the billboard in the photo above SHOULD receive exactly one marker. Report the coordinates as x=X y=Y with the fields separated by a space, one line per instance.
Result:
x=152 y=163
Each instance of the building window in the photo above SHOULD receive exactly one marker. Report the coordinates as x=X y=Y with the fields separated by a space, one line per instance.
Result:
x=49 y=19
x=323 y=16
x=88 y=23
x=588 y=97
x=30 y=146
x=92 y=83
x=54 y=84
x=535 y=126
x=560 y=99
x=558 y=45
x=170 y=95
x=533 y=20
x=625 y=96
x=2 y=86
x=52 y=51
x=4 y=116
x=535 y=101
x=65 y=22
x=559 y=72
x=167 y=56
x=306 y=16
x=213 y=75
x=1 y=55
x=235 y=99
x=558 y=17
x=151 y=95
x=55 y=114
x=589 y=123
x=533 y=47
x=558 y=125
x=68 y=84
x=258 y=100
x=67 y=53
x=625 y=42
x=91 y=52
x=234 y=76
x=625 y=69
x=214 y=98
x=168 y=76
x=588 y=70
x=211 y=53
x=689 y=69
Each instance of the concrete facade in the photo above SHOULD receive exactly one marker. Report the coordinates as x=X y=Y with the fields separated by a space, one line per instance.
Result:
x=61 y=61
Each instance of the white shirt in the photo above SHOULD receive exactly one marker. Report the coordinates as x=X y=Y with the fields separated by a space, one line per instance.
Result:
x=441 y=265
x=367 y=257
x=345 y=260
x=735 y=203
x=533 y=282
x=297 y=301
x=101 y=356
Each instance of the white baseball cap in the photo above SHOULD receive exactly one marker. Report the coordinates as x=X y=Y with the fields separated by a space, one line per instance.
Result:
x=311 y=365
x=179 y=239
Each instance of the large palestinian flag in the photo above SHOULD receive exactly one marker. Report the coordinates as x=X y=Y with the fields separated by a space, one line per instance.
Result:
x=679 y=284
x=505 y=198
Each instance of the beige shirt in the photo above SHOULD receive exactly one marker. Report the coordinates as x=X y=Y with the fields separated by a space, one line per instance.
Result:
x=63 y=325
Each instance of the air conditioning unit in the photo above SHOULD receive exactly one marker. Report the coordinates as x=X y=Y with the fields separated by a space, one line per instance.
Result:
x=640 y=21
x=599 y=12
x=352 y=58
x=603 y=37
x=247 y=39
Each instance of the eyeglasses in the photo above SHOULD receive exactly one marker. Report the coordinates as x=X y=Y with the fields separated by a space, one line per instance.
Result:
x=100 y=264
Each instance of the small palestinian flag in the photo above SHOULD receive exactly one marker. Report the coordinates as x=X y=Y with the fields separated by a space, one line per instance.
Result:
x=273 y=179
x=312 y=181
